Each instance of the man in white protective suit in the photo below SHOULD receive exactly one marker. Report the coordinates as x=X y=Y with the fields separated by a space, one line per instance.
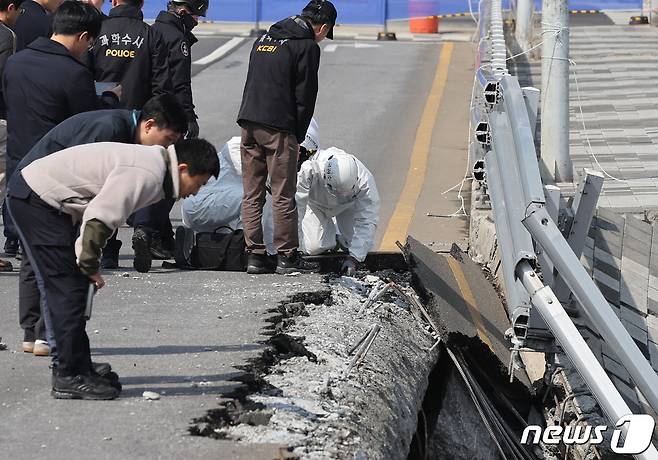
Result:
x=219 y=202
x=338 y=206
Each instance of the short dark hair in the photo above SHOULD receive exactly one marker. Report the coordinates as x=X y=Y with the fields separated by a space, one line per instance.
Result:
x=199 y=155
x=4 y=4
x=138 y=3
x=166 y=111
x=75 y=17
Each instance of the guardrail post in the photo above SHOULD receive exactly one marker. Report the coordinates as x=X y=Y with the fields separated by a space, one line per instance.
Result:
x=523 y=30
x=545 y=232
x=555 y=90
x=583 y=209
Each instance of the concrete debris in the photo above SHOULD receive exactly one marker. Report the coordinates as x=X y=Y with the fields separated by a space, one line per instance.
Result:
x=293 y=274
x=125 y=275
x=3 y=346
x=150 y=396
x=307 y=404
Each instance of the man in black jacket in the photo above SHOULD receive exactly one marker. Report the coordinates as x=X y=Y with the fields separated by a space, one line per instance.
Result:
x=175 y=25
x=35 y=22
x=162 y=122
x=130 y=52
x=274 y=117
x=38 y=100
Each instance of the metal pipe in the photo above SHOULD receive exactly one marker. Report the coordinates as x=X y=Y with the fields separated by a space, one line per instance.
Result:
x=555 y=90
x=524 y=143
x=545 y=232
x=523 y=31
x=518 y=302
x=577 y=350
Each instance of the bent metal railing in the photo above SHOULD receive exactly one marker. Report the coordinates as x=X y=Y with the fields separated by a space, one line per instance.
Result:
x=536 y=258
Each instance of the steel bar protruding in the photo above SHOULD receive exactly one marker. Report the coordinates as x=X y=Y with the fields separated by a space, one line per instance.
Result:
x=545 y=232
x=577 y=350
x=523 y=32
x=555 y=90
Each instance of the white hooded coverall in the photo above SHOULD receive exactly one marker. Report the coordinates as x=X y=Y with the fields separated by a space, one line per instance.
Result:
x=323 y=217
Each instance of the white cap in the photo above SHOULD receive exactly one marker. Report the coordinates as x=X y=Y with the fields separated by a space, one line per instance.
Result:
x=341 y=175
x=312 y=140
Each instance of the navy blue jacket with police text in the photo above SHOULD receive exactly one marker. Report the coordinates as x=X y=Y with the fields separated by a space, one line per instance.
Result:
x=43 y=86
x=130 y=52
x=282 y=82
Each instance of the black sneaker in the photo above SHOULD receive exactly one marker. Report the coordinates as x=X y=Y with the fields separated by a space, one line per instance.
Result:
x=158 y=251
x=141 y=246
x=11 y=247
x=90 y=386
x=295 y=263
x=258 y=264
x=104 y=371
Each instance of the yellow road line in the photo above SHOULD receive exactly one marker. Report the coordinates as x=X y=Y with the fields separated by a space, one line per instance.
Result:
x=398 y=226
x=467 y=294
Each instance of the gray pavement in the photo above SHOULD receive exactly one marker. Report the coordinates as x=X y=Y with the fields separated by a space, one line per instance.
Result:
x=185 y=334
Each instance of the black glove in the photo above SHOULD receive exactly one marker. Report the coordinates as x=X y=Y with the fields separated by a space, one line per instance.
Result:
x=192 y=129
x=349 y=266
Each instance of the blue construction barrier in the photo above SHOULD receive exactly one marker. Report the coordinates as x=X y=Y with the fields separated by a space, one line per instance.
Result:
x=361 y=11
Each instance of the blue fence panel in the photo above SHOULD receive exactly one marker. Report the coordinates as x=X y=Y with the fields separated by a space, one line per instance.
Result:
x=361 y=11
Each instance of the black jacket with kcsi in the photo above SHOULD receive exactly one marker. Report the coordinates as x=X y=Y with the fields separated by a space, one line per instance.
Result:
x=282 y=82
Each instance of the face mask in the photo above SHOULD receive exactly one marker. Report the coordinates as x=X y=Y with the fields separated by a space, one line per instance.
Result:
x=188 y=21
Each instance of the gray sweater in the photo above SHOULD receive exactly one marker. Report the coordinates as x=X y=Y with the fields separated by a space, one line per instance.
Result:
x=100 y=185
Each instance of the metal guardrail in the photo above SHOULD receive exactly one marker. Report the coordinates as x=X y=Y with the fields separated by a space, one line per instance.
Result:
x=503 y=119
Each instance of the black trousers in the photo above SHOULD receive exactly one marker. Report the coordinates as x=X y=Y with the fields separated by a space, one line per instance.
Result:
x=29 y=304
x=48 y=237
x=10 y=229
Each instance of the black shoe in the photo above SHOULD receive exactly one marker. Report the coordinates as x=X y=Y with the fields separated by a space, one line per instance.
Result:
x=158 y=251
x=90 y=386
x=11 y=247
x=258 y=264
x=104 y=371
x=141 y=246
x=295 y=263
x=110 y=257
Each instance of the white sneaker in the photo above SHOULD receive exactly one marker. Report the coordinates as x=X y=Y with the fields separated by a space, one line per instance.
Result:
x=41 y=348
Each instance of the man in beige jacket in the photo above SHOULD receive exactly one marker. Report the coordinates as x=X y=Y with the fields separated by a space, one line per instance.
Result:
x=66 y=206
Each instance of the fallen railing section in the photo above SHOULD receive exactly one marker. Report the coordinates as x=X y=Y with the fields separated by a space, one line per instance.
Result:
x=531 y=246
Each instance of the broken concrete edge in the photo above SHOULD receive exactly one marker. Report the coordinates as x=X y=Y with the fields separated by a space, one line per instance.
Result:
x=236 y=406
x=483 y=248
x=381 y=403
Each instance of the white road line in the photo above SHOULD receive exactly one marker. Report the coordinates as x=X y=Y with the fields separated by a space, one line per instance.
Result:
x=332 y=47
x=220 y=52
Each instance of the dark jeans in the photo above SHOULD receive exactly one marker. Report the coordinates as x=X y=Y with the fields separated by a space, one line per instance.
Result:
x=48 y=238
x=266 y=151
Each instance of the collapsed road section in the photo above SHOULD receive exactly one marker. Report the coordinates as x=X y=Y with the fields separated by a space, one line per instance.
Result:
x=388 y=365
